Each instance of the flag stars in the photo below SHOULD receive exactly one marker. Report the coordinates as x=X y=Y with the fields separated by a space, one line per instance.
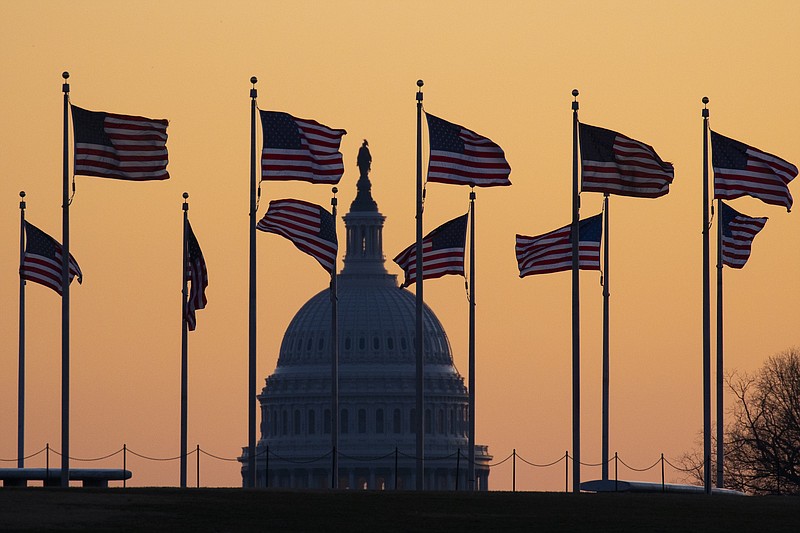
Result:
x=280 y=131
x=444 y=135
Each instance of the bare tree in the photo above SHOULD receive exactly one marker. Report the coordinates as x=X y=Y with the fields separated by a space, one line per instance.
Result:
x=762 y=439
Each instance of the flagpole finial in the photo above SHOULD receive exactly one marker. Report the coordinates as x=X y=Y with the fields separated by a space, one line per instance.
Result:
x=705 y=100
x=575 y=94
x=253 y=91
x=420 y=83
x=705 y=107
x=65 y=86
x=185 y=203
x=22 y=199
x=22 y=194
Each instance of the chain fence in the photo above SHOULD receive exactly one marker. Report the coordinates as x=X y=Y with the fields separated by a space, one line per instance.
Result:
x=326 y=458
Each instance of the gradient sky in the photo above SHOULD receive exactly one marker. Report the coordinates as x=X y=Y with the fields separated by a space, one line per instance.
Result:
x=503 y=69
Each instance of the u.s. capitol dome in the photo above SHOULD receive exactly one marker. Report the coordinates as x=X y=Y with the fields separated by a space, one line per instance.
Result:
x=377 y=383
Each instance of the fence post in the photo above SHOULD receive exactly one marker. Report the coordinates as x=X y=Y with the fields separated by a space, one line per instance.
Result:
x=566 y=475
x=47 y=462
x=514 y=472
x=197 y=451
x=124 y=464
x=663 y=487
x=395 y=467
x=616 y=472
x=458 y=464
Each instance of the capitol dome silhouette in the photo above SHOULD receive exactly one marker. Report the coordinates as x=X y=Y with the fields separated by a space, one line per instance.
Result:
x=377 y=382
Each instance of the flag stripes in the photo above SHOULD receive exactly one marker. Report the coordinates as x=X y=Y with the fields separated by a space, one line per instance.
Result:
x=612 y=163
x=41 y=262
x=442 y=252
x=552 y=252
x=197 y=276
x=309 y=226
x=462 y=157
x=122 y=147
x=741 y=170
x=300 y=149
x=738 y=232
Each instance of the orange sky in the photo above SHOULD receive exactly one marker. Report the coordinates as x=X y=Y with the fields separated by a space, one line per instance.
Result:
x=504 y=70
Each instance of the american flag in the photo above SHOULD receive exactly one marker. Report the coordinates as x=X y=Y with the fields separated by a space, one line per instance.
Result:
x=738 y=232
x=300 y=149
x=41 y=262
x=612 y=163
x=741 y=170
x=552 y=252
x=442 y=252
x=462 y=157
x=309 y=226
x=122 y=147
x=197 y=275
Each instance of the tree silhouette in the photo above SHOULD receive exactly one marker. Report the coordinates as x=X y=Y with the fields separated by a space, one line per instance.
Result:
x=762 y=438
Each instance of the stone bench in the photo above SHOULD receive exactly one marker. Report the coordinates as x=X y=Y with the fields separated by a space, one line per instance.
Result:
x=89 y=477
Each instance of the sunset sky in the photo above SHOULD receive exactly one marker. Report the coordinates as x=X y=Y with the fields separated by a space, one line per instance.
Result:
x=503 y=69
